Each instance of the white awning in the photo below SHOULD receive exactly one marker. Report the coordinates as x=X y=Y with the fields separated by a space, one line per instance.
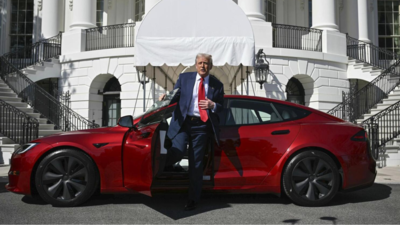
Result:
x=175 y=31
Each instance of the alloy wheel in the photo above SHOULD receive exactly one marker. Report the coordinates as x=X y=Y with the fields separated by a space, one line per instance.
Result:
x=65 y=178
x=312 y=178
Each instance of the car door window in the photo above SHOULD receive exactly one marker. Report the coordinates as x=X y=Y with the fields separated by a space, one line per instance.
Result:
x=246 y=112
x=289 y=112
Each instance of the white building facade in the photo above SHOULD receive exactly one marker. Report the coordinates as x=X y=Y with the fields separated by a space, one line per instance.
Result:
x=305 y=42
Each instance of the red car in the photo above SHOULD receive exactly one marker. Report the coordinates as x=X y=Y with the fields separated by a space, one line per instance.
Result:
x=267 y=146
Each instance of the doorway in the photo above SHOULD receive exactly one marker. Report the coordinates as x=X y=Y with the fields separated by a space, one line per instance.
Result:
x=295 y=91
x=111 y=103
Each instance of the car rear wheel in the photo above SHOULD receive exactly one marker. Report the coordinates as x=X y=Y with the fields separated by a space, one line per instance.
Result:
x=311 y=178
x=66 y=178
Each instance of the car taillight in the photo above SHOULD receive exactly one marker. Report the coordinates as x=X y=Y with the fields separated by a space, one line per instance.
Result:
x=360 y=136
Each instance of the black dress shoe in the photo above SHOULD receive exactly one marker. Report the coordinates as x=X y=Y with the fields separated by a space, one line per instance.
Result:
x=190 y=205
x=174 y=168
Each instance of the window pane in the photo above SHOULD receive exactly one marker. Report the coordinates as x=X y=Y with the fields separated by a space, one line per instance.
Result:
x=29 y=16
x=21 y=28
x=396 y=42
x=389 y=18
x=21 y=17
x=396 y=30
x=381 y=6
x=381 y=28
x=389 y=42
x=396 y=18
x=382 y=42
x=388 y=6
x=29 y=5
x=29 y=28
x=389 y=29
x=22 y=5
x=395 y=6
x=381 y=17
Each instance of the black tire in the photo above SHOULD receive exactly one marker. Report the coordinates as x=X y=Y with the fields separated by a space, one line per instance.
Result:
x=66 y=178
x=311 y=178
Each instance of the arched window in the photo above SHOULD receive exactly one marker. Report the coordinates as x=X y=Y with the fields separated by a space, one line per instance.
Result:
x=295 y=91
x=111 y=102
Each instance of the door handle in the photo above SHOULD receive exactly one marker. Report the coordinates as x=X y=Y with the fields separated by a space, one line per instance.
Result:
x=279 y=132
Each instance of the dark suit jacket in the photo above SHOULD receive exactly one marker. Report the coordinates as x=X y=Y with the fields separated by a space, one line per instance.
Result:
x=185 y=83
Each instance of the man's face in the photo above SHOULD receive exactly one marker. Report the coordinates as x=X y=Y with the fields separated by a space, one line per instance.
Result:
x=203 y=66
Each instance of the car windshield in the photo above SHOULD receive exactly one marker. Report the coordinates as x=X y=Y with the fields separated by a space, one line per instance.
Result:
x=160 y=104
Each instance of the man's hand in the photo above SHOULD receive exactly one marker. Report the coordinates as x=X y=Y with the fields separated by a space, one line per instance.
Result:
x=161 y=97
x=206 y=104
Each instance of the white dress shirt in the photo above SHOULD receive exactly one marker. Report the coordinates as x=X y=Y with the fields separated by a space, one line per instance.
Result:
x=194 y=104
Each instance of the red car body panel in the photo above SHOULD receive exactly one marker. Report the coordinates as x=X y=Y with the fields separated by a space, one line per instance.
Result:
x=249 y=158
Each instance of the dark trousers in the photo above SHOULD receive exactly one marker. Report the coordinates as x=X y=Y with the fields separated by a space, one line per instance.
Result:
x=196 y=133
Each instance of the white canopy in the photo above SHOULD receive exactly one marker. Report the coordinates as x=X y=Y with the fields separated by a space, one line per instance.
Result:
x=175 y=31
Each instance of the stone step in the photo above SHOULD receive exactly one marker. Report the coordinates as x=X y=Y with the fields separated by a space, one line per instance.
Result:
x=36 y=116
x=7 y=94
x=26 y=110
x=31 y=114
x=6 y=140
x=42 y=133
x=37 y=67
x=18 y=104
x=48 y=64
x=28 y=71
x=42 y=126
x=392 y=148
x=6 y=90
x=367 y=68
x=10 y=99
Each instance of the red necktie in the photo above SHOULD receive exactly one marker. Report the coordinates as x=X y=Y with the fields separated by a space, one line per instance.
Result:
x=201 y=96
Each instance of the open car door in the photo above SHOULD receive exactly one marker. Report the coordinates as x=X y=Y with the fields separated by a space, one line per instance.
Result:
x=141 y=144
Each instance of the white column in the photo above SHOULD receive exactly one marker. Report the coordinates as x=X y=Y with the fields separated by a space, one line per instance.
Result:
x=363 y=21
x=253 y=8
x=324 y=15
x=352 y=17
x=149 y=4
x=84 y=14
x=50 y=18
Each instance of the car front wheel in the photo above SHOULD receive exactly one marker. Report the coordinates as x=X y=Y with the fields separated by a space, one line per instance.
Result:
x=66 y=178
x=311 y=178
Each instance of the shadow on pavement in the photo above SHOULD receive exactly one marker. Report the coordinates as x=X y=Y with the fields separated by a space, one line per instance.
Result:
x=171 y=204
x=374 y=193
x=3 y=182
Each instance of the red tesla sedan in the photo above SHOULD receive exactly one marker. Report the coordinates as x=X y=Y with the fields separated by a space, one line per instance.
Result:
x=267 y=146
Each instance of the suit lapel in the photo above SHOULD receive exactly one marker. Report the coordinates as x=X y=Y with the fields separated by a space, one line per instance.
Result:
x=190 y=86
x=211 y=86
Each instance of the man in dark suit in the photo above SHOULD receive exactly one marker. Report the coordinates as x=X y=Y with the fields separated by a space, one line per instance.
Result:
x=199 y=99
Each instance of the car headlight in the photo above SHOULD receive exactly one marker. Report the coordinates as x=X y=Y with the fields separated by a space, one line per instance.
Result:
x=25 y=147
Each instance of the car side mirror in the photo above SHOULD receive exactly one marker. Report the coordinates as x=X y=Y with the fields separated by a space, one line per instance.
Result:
x=126 y=121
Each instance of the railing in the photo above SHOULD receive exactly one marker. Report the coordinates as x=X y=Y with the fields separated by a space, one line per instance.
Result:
x=359 y=103
x=294 y=37
x=17 y=125
x=370 y=54
x=35 y=53
x=114 y=36
x=42 y=102
x=383 y=127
